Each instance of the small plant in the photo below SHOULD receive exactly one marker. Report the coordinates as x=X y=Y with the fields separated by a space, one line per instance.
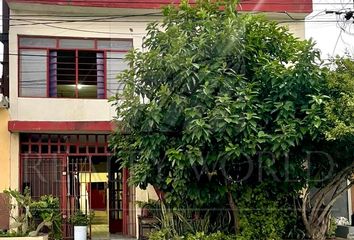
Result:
x=331 y=232
x=212 y=236
x=46 y=211
x=81 y=219
x=22 y=222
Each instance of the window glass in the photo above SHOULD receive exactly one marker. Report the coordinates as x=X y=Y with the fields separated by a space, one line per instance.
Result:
x=38 y=42
x=115 y=65
x=76 y=74
x=115 y=44
x=87 y=79
x=33 y=73
x=74 y=71
x=77 y=43
x=65 y=75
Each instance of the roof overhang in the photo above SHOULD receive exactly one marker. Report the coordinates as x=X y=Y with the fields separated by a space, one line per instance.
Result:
x=62 y=126
x=291 y=6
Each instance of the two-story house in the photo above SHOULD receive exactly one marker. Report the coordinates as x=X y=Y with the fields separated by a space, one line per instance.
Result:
x=63 y=58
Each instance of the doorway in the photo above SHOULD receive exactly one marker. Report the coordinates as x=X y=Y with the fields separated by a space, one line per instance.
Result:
x=106 y=194
x=83 y=174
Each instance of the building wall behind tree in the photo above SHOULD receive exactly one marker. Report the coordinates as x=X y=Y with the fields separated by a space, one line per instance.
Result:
x=4 y=168
x=54 y=109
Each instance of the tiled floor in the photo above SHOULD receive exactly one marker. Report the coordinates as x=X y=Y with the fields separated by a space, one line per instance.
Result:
x=112 y=237
x=100 y=230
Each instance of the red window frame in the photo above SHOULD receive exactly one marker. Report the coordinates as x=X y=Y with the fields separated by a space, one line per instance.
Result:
x=80 y=142
x=57 y=48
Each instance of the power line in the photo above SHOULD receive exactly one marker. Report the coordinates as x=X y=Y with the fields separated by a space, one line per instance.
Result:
x=73 y=57
x=100 y=19
x=164 y=3
x=335 y=45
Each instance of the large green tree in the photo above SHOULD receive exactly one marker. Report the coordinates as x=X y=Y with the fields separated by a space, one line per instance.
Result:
x=218 y=101
x=331 y=172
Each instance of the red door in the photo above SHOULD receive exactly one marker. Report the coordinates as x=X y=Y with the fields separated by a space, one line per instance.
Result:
x=115 y=185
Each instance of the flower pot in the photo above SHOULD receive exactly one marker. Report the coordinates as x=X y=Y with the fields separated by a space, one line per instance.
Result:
x=80 y=232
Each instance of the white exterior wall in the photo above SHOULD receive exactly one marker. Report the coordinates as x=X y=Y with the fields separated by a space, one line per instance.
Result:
x=324 y=29
x=51 y=109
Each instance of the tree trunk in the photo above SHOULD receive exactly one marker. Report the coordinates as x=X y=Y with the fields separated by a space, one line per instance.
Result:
x=235 y=212
x=316 y=222
x=318 y=230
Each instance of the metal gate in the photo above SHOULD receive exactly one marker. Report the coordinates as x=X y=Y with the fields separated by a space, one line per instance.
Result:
x=61 y=165
x=44 y=175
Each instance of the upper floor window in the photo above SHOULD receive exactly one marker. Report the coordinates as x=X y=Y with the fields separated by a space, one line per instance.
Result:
x=70 y=68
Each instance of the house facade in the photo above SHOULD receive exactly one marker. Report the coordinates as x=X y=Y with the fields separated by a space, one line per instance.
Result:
x=63 y=58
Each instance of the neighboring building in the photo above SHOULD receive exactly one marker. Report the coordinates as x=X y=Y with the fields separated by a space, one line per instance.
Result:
x=63 y=59
x=4 y=161
x=4 y=137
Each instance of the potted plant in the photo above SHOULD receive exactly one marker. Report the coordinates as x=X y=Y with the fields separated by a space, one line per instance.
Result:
x=80 y=221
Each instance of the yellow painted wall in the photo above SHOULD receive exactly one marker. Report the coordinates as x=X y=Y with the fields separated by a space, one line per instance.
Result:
x=4 y=150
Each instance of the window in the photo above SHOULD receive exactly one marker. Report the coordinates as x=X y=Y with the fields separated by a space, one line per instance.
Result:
x=33 y=80
x=71 y=68
x=76 y=74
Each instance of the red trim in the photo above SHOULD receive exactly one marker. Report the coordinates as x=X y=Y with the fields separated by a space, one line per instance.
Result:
x=64 y=193
x=125 y=200
x=300 y=6
x=58 y=38
x=48 y=73
x=48 y=126
x=105 y=73
x=57 y=48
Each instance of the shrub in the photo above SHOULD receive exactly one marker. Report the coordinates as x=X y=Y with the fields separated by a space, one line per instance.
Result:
x=261 y=217
x=36 y=216
x=81 y=219
x=213 y=236
x=163 y=235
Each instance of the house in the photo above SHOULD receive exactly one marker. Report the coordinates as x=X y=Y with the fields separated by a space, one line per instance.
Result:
x=63 y=57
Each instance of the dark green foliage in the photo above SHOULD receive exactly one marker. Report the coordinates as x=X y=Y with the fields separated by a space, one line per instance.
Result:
x=36 y=216
x=174 y=223
x=333 y=164
x=222 y=87
x=161 y=235
x=220 y=100
x=11 y=234
x=262 y=217
x=48 y=209
x=340 y=106
x=81 y=219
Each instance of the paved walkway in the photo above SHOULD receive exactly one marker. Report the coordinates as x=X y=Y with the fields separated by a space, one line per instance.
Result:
x=113 y=237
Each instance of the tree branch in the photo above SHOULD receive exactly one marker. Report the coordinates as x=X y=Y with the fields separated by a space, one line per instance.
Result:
x=331 y=203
